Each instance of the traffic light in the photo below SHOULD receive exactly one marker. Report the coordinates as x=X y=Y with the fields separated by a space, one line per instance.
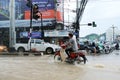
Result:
x=35 y=12
x=93 y=24
x=89 y=24
x=29 y=3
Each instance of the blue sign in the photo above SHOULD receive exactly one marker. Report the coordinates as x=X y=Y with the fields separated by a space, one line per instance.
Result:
x=36 y=35
x=23 y=34
x=26 y=34
x=44 y=4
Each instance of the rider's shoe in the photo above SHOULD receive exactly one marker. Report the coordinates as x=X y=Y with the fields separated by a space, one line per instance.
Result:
x=85 y=59
x=67 y=57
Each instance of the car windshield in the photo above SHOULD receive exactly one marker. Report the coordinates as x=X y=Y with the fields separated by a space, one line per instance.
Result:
x=39 y=41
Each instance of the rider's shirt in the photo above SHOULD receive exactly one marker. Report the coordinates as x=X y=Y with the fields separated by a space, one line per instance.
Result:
x=71 y=44
x=76 y=44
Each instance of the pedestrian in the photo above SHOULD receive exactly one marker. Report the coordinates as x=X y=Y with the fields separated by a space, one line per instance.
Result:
x=117 y=46
x=94 y=48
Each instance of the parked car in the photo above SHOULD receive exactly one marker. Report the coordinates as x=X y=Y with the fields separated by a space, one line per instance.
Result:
x=37 y=45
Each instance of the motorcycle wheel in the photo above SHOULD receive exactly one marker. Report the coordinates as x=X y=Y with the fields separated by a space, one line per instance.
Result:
x=107 y=51
x=79 y=60
x=57 y=58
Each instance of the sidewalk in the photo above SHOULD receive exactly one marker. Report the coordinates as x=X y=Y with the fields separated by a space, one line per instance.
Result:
x=8 y=53
x=22 y=53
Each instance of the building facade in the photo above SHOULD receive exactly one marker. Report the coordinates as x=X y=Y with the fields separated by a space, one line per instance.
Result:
x=112 y=34
x=52 y=19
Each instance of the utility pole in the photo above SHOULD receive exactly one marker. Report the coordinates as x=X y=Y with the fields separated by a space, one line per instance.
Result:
x=12 y=34
x=113 y=28
x=31 y=14
x=55 y=12
x=29 y=4
x=79 y=11
x=63 y=10
x=42 y=30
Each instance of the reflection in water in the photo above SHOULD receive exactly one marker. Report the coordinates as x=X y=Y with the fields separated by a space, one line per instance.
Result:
x=104 y=67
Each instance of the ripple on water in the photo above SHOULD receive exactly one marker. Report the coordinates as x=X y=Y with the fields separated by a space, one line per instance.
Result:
x=99 y=66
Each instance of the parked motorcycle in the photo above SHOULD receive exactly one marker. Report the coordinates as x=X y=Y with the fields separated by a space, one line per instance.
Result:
x=75 y=57
x=107 y=49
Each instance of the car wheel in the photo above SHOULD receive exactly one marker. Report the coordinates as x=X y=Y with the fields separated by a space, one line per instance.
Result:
x=21 y=49
x=49 y=51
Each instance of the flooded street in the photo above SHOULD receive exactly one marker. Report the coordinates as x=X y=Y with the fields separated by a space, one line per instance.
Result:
x=102 y=67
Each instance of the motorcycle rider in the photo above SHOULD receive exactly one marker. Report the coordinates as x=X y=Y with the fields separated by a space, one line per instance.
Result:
x=71 y=44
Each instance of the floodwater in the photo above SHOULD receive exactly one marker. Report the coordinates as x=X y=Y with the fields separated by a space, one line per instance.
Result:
x=102 y=67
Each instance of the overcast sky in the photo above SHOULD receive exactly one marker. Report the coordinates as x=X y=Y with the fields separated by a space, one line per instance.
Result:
x=104 y=12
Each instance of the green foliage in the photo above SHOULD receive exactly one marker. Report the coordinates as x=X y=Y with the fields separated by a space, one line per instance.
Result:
x=92 y=37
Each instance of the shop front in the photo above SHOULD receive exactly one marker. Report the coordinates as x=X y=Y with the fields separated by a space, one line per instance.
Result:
x=56 y=36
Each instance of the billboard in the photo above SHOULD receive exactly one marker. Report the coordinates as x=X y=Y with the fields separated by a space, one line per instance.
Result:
x=23 y=34
x=26 y=34
x=22 y=12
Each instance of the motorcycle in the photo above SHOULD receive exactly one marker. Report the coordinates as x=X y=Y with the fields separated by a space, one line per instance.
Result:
x=75 y=57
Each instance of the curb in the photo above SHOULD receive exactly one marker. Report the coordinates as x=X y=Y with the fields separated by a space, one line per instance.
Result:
x=18 y=53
